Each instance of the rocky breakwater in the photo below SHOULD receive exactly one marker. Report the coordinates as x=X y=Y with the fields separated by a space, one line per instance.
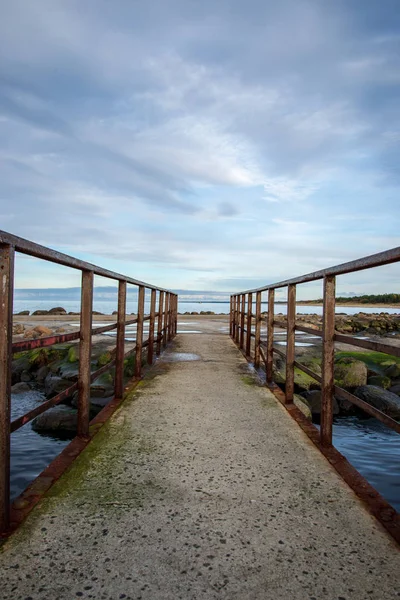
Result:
x=371 y=376
x=361 y=323
x=52 y=370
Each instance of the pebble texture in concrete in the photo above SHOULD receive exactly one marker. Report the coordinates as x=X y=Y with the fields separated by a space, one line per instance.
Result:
x=201 y=486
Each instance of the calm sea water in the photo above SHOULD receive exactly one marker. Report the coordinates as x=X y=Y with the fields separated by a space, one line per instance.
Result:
x=108 y=306
x=30 y=452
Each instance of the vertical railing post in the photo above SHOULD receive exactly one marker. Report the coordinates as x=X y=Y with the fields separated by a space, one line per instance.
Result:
x=151 y=327
x=85 y=353
x=328 y=356
x=257 y=332
x=249 y=323
x=242 y=313
x=7 y=255
x=170 y=311
x=160 y=321
x=165 y=328
x=120 y=348
x=176 y=315
x=290 y=343
x=270 y=334
x=237 y=327
x=139 y=332
x=230 y=315
x=233 y=334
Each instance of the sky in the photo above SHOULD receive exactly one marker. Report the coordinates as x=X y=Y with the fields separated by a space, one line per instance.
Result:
x=202 y=145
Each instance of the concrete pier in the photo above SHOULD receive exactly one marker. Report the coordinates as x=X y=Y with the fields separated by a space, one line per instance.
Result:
x=200 y=486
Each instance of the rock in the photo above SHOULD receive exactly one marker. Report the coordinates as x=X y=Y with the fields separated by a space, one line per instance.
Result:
x=74 y=313
x=18 y=328
x=393 y=371
x=73 y=354
x=19 y=388
x=42 y=373
x=58 y=310
x=24 y=313
x=53 y=385
x=350 y=372
x=97 y=404
x=102 y=387
x=383 y=382
x=96 y=312
x=302 y=405
x=384 y=400
x=40 y=312
x=114 y=312
x=60 y=330
x=31 y=334
x=41 y=330
x=395 y=389
x=19 y=365
x=104 y=358
x=58 y=420
x=25 y=376
x=313 y=400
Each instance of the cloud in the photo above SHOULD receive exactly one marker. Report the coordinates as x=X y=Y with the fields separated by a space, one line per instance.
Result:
x=201 y=141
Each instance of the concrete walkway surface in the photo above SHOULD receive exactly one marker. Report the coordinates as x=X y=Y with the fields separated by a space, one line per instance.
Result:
x=200 y=486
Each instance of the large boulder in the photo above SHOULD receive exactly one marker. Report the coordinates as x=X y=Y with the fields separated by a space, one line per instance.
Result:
x=395 y=389
x=18 y=329
x=384 y=400
x=60 y=420
x=20 y=388
x=57 y=310
x=350 y=372
x=302 y=405
x=313 y=400
x=42 y=330
x=40 y=312
x=380 y=381
x=18 y=366
x=53 y=385
x=393 y=371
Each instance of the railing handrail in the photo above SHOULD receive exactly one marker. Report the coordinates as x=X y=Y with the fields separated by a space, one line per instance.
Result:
x=163 y=306
x=32 y=249
x=374 y=260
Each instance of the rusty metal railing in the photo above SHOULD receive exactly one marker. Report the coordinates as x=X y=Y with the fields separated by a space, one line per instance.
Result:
x=163 y=307
x=242 y=318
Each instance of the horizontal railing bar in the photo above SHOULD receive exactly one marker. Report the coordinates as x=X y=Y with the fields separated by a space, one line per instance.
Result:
x=279 y=352
x=310 y=330
x=44 y=342
x=349 y=339
x=35 y=412
x=27 y=417
x=38 y=251
x=281 y=324
x=371 y=410
x=147 y=318
x=368 y=344
x=374 y=260
x=302 y=367
x=131 y=322
x=102 y=370
x=98 y=330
